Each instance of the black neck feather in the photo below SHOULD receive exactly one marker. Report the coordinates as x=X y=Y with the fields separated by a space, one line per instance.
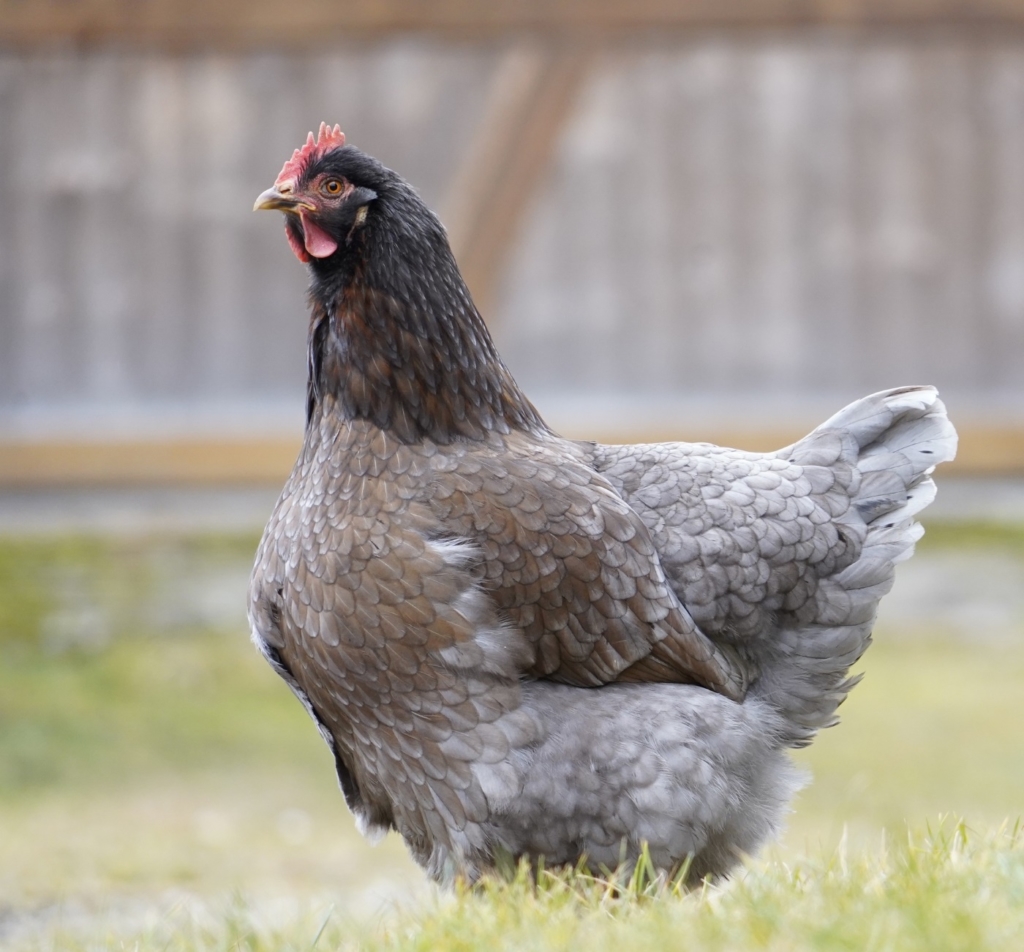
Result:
x=395 y=338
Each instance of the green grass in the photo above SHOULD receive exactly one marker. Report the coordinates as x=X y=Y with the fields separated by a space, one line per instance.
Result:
x=160 y=788
x=930 y=892
x=137 y=688
x=140 y=708
x=935 y=890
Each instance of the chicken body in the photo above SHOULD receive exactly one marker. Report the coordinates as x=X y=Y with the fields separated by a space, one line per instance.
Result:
x=518 y=644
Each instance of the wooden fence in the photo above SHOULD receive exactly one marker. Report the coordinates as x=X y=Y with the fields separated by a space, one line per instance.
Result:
x=804 y=213
x=793 y=216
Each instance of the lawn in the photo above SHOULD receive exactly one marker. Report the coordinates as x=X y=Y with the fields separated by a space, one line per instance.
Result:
x=161 y=789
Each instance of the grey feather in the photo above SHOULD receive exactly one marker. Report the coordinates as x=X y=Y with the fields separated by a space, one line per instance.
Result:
x=487 y=634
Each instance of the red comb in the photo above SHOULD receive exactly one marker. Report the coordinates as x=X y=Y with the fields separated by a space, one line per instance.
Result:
x=327 y=138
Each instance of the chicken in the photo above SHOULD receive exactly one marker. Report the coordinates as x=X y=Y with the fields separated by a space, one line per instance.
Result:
x=519 y=645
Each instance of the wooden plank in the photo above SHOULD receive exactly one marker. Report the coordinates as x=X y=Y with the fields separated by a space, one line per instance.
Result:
x=996 y=450
x=146 y=462
x=308 y=23
x=515 y=80
x=498 y=179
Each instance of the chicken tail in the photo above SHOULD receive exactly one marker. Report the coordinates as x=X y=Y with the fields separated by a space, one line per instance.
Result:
x=893 y=440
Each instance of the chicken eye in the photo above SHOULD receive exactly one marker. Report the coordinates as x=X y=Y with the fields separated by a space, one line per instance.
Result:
x=331 y=187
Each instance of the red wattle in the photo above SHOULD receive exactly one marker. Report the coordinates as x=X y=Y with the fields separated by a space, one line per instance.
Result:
x=296 y=245
x=318 y=243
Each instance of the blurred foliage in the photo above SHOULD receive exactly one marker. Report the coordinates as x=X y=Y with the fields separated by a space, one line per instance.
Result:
x=80 y=592
x=141 y=707
x=120 y=655
x=952 y=535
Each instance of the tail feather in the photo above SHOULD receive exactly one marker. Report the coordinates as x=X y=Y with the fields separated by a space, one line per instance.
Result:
x=893 y=440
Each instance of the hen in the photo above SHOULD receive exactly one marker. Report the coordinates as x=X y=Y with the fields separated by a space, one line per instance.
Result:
x=517 y=644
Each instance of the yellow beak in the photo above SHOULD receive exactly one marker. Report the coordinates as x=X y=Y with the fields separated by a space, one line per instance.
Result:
x=273 y=199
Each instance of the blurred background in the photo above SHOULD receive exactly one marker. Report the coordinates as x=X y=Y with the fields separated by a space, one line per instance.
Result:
x=681 y=220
